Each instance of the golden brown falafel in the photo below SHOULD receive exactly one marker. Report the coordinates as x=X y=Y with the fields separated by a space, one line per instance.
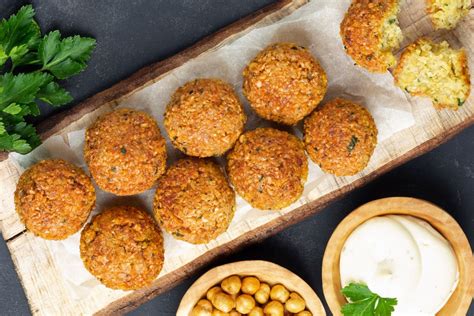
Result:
x=436 y=71
x=370 y=33
x=193 y=201
x=204 y=118
x=268 y=168
x=340 y=137
x=123 y=248
x=125 y=152
x=284 y=83
x=54 y=199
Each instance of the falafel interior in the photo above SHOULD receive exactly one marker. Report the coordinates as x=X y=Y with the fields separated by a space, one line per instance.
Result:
x=434 y=70
x=446 y=14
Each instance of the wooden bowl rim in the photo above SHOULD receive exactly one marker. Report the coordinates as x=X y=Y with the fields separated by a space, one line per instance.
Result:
x=438 y=219
x=250 y=268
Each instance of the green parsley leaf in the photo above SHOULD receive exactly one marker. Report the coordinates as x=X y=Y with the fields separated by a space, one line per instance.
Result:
x=12 y=109
x=356 y=292
x=53 y=94
x=363 y=302
x=18 y=53
x=17 y=34
x=14 y=143
x=364 y=307
x=21 y=88
x=20 y=41
x=3 y=56
x=67 y=57
x=385 y=306
x=2 y=127
x=27 y=132
x=352 y=143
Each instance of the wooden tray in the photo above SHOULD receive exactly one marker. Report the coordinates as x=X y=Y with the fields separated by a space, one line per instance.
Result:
x=44 y=284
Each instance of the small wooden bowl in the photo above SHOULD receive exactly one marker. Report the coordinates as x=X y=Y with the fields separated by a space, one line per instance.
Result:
x=458 y=303
x=265 y=271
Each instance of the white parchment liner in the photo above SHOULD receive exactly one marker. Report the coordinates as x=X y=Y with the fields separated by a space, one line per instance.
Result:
x=316 y=26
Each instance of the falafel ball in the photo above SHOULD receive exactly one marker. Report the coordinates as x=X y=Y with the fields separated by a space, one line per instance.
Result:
x=340 y=137
x=193 y=201
x=370 y=32
x=268 y=168
x=204 y=118
x=284 y=83
x=54 y=199
x=125 y=152
x=123 y=248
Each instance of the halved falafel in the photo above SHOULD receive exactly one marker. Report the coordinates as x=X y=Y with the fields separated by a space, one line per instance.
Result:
x=193 y=201
x=446 y=14
x=340 y=137
x=370 y=33
x=123 y=248
x=435 y=70
x=268 y=168
x=54 y=199
x=125 y=152
x=284 y=83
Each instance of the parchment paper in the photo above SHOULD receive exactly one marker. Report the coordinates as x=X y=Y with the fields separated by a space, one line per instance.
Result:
x=316 y=26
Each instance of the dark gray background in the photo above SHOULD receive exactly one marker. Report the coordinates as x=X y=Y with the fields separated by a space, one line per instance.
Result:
x=134 y=33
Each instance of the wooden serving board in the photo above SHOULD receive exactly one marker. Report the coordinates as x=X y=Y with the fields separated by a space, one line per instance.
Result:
x=45 y=287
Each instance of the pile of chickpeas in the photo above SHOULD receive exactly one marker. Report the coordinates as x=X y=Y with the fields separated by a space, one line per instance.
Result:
x=248 y=296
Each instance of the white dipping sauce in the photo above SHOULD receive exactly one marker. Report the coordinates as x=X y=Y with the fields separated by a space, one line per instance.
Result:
x=401 y=257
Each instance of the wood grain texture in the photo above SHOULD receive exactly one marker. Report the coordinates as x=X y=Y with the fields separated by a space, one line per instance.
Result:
x=40 y=271
x=459 y=301
x=265 y=271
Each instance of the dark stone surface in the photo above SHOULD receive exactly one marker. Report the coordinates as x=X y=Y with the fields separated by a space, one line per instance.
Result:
x=134 y=33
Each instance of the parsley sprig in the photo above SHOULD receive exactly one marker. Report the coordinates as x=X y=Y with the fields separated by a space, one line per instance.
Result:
x=363 y=302
x=46 y=59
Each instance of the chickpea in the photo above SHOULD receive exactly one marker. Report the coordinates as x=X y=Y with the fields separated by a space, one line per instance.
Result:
x=274 y=308
x=250 y=285
x=223 y=302
x=202 y=308
x=256 y=311
x=205 y=304
x=295 y=303
x=304 y=313
x=217 y=312
x=244 y=303
x=263 y=293
x=234 y=313
x=279 y=293
x=200 y=311
x=231 y=285
x=295 y=295
x=213 y=291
